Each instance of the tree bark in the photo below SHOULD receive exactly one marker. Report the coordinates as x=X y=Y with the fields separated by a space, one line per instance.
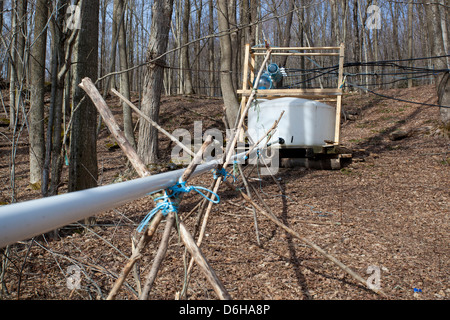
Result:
x=287 y=31
x=13 y=66
x=83 y=171
x=437 y=49
x=410 y=38
x=211 y=49
x=444 y=99
x=153 y=80
x=187 y=79
x=103 y=64
x=124 y=76
x=226 y=52
x=1 y=16
x=445 y=36
x=36 y=114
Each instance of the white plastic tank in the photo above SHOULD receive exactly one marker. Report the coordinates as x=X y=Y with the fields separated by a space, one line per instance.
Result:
x=305 y=123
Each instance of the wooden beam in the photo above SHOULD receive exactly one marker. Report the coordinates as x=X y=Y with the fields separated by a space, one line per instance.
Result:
x=300 y=54
x=288 y=92
x=337 y=131
x=246 y=83
x=298 y=48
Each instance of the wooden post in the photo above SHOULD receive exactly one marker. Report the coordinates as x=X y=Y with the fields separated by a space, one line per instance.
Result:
x=337 y=132
x=244 y=86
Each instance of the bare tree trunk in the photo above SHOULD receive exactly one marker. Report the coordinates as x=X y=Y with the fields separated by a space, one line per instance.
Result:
x=153 y=80
x=83 y=171
x=104 y=5
x=131 y=34
x=177 y=35
x=410 y=39
x=364 y=41
x=13 y=66
x=114 y=39
x=245 y=20
x=287 y=31
x=445 y=36
x=334 y=22
x=344 y=5
x=187 y=79
x=211 y=49
x=36 y=123
x=255 y=9
x=232 y=23
x=437 y=49
x=197 y=47
x=395 y=17
x=62 y=49
x=21 y=37
x=226 y=53
x=357 y=51
x=124 y=76
x=1 y=17
x=444 y=99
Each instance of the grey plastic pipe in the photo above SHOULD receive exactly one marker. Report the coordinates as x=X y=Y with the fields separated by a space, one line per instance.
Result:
x=24 y=220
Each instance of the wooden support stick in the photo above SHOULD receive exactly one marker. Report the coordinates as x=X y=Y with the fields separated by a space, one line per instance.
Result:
x=186 y=238
x=255 y=219
x=233 y=144
x=88 y=86
x=136 y=255
x=153 y=123
x=101 y=105
x=160 y=255
x=201 y=261
x=227 y=158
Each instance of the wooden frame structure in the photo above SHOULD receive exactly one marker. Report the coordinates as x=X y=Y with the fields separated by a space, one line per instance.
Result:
x=324 y=95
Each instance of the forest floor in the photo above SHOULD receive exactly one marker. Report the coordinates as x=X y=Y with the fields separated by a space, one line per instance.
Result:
x=388 y=209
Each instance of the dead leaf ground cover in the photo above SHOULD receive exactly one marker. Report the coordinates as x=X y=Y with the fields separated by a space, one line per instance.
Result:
x=389 y=208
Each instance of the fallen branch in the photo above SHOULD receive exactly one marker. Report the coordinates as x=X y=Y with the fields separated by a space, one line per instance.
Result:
x=311 y=244
x=140 y=168
x=88 y=86
x=153 y=123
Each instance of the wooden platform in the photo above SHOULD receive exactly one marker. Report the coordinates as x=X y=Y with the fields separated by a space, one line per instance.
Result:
x=324 y=95
x=323 y=158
